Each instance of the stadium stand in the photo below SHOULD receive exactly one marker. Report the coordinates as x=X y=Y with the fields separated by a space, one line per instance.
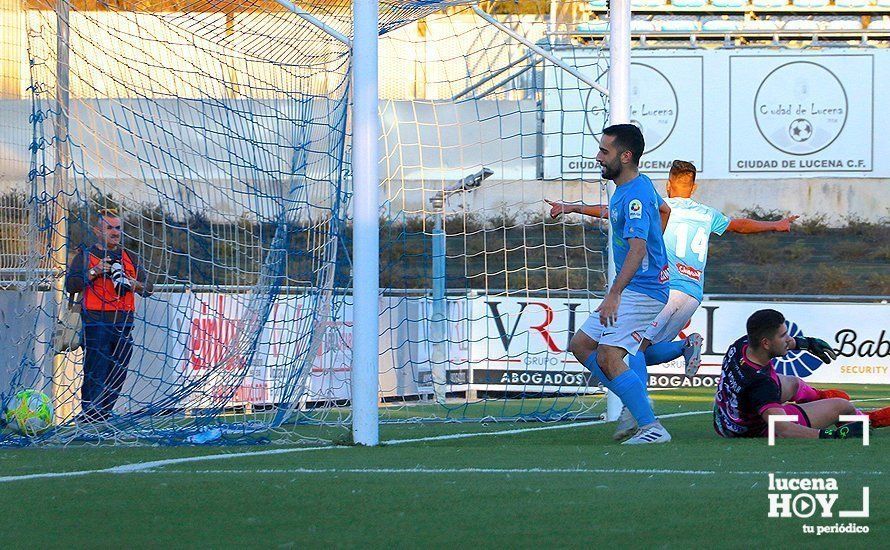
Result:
x=638 y=25
x=721 y=25
x=843 y=25
x=862 y=22
x=809 y=3
x=761 y=25
x=729 y=3
x=678 y=25
x=851 y=3
x=802 y=25
x=769 y=3
x=594 y=26
x=634 y=4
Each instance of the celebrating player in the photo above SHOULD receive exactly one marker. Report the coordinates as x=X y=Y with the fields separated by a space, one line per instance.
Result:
x=639 y=291
x=686 y=239
x=750 y=390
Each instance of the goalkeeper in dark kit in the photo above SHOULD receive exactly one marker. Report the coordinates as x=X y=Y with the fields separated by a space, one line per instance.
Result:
x=750 y=390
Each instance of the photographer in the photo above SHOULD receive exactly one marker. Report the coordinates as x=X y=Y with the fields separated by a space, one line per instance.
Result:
x=109 y=278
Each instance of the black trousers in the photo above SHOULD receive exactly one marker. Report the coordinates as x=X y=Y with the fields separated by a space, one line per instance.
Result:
x=107 y=351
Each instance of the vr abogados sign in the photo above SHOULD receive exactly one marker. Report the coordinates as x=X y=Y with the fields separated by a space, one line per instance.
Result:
x=522 y=344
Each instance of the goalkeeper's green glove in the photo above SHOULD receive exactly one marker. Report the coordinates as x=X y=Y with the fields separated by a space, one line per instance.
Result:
x=817 y=347
x=845 y=431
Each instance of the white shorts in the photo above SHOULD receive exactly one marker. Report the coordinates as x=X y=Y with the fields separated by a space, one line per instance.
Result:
x=636 y=312
x=673 y=318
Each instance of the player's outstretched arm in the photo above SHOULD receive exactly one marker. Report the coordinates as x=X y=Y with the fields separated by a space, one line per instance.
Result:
x=559 y=208
x=747 y=225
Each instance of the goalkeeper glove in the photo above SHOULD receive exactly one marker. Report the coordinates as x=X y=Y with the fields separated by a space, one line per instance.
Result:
x=817 y=347
x=845 y=431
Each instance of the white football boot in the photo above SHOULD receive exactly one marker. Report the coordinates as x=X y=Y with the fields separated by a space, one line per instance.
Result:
x=653 y=433
x=627 y=425
x=692 y=353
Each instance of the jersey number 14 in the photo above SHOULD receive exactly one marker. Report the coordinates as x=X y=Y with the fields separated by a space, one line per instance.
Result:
x=699 y=245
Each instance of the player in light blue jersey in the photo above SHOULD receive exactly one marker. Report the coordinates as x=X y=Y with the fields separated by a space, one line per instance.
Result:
x=639 y=291
x=686 y=238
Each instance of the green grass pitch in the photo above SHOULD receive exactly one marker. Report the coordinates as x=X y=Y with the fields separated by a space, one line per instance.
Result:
x=566 y=487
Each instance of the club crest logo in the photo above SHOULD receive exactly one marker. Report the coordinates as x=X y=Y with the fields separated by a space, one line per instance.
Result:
x=801 y=108
x=797 y=363
x=654 y=106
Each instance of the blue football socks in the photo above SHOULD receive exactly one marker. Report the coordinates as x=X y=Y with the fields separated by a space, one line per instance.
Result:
x=629 y=388
x=664 y=352
x=638 y=365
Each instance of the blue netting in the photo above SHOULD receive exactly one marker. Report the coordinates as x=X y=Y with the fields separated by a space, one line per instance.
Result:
x=220 y=139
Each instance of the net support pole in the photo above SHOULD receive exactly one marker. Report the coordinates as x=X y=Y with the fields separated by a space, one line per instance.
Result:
x=366 y=226
x=542 y=52
x=308 y=17
x=63 y=368
x=619 y=113
x=438 y=353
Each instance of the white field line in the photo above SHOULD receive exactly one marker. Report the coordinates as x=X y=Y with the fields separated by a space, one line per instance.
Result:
x=127 y=468
x=508 y=471
x=142 y=466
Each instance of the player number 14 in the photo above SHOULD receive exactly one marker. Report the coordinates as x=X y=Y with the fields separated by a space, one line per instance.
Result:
x=699 y=242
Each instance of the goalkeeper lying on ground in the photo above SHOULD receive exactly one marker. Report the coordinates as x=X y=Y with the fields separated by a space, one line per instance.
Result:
x=750 y=389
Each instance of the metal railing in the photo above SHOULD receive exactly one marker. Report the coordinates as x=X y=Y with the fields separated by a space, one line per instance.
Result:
x=865 y=37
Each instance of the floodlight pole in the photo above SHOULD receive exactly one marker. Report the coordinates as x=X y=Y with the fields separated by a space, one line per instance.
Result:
x=366 y=224
x=619 y=113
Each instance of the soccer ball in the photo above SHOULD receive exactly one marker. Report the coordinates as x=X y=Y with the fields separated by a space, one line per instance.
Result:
x=801 y=130
x=29 y=412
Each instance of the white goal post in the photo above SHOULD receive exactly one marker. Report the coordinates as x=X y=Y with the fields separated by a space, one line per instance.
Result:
x=365 y=130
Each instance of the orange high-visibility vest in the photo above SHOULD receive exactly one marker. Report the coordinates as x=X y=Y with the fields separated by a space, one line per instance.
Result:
x=100 y=295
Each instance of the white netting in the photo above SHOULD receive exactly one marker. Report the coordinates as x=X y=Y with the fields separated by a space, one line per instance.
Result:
x=219 y=135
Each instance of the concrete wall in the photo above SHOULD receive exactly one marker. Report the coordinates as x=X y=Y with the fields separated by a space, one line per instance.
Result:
x=836 y=200
x=424 y=146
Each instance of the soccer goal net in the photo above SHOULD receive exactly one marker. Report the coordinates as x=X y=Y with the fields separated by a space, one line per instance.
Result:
x=217 y=137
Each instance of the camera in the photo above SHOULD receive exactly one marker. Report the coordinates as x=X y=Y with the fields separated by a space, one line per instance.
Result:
x=119 y=278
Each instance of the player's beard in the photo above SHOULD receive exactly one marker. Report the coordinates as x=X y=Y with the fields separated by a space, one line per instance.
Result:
x=778 y=350
x=610 y=172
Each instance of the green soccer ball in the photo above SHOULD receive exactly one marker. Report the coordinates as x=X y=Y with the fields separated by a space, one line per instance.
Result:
x=29 y=412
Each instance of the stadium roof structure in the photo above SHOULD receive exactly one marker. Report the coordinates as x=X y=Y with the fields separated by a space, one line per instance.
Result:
x=336 y=13
x=319 y=7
